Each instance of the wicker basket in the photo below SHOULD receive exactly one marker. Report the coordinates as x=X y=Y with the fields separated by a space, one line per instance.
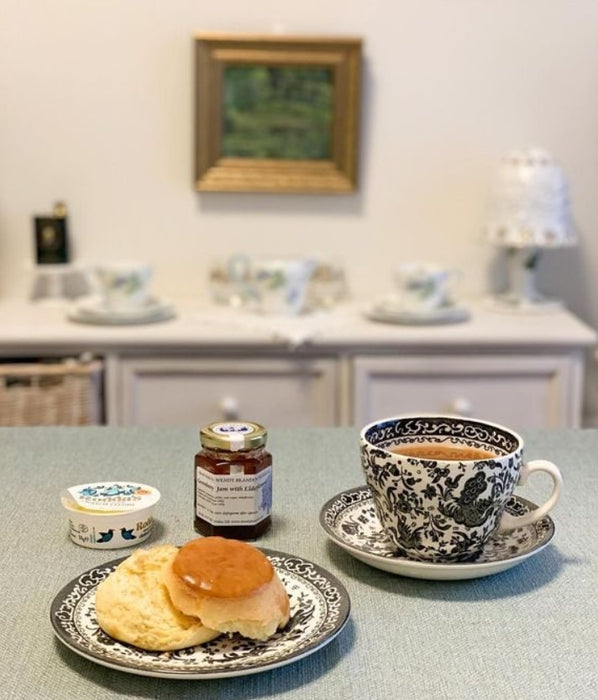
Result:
x=64 y=393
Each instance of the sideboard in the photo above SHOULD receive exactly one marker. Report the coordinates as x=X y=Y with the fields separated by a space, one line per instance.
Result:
x=322 y=369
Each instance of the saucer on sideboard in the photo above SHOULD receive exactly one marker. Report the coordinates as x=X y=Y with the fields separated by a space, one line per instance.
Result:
x=350 y=521
x=391 y=310
x=95 y=312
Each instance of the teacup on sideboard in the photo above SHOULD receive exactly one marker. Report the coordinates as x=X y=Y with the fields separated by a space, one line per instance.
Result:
x=423 y=286
x=123 y=285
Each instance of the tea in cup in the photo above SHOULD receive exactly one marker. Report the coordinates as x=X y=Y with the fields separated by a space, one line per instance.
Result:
x=441 y=484
x=124 y=286
x=423 y=286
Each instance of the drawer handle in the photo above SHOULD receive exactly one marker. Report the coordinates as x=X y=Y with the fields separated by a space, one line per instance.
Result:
x=229 y=408
x=462 y=407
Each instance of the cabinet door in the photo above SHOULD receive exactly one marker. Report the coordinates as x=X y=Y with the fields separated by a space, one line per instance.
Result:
x=518 y=391
x=190 y=391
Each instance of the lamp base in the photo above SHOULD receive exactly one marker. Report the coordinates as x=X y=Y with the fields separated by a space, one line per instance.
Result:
x=512 y=303
x=522 y=295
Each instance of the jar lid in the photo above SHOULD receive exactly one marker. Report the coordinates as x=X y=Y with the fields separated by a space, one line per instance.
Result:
x=233 y=436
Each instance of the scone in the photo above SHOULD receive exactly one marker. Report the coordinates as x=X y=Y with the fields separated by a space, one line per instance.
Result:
x=133 y=605
x=230 y=585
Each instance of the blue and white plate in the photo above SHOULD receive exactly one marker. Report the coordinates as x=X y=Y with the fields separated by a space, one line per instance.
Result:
x=350 y=521
x=320 y=607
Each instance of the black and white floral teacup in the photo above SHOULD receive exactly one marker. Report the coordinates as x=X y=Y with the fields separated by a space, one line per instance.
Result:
x=441 y=483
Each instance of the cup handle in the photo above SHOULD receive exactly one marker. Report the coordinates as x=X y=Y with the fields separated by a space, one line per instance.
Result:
x=510 y=522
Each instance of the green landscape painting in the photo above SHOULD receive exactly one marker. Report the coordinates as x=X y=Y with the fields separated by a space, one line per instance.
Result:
x=277 y=112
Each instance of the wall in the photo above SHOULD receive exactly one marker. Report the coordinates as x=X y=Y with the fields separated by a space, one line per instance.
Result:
x=98 y=111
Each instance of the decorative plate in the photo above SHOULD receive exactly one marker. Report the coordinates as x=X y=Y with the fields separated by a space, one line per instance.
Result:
x=320 y=608
x=350 y=521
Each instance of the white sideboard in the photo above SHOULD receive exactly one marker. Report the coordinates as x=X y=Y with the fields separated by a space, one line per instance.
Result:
x=524 y=391
x=334 y=368
x=166 y=390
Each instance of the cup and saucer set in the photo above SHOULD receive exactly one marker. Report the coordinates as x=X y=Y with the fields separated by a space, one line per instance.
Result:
x=439 y=501
x=122 y=297
x=422 y=297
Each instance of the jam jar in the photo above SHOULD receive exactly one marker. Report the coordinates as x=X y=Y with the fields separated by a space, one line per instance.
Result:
x=233 y=481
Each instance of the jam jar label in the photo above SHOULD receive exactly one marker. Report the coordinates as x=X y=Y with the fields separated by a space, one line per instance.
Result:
x=233 y=499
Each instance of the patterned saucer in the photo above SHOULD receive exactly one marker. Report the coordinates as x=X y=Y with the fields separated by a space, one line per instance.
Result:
x=386 y=312
x=320 y=608
x=94 y=312
x=350 y=521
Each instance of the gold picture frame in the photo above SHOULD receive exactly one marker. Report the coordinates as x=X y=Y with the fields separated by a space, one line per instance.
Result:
x=276 y=113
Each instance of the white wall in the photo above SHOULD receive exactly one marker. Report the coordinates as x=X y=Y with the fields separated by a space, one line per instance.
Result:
x=97 y=110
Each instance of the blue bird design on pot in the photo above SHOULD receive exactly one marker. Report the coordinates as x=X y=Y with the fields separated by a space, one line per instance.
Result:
x=114 y=490
x=106 y=536
x=88 y=491
x=127 y=534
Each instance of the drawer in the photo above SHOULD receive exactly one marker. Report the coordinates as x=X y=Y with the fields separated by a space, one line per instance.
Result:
x=518 y=391
x=192 y=391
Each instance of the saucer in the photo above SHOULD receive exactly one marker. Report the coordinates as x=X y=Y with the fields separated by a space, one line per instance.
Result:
x=350 y=521
x=94 y=312
x=392 y=311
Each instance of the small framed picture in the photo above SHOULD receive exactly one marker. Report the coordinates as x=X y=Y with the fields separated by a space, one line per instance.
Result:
x=277 y=113
x=51 y=242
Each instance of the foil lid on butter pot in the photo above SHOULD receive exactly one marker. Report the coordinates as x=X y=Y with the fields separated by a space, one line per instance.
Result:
x=110 y=497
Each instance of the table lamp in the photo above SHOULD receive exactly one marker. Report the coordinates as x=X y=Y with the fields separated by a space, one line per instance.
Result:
x=529 y=211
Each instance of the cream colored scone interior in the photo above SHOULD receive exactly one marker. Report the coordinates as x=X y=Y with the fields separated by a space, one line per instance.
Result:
x=133 y=605
x=230 y=585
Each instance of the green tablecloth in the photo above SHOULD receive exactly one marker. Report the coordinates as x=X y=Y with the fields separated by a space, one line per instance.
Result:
x=530 y=632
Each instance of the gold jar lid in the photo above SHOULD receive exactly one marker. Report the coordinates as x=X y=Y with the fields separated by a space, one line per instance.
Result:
x=233 y=435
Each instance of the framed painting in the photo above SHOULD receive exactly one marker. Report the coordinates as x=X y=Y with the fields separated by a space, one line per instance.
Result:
x=276 y=113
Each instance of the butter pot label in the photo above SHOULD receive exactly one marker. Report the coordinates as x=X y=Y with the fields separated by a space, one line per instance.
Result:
x=109 y=496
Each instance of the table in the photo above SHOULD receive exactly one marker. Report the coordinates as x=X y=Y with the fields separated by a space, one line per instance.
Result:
x=530 y=632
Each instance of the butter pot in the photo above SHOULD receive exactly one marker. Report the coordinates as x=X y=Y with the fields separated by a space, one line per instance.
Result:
x=110 y=514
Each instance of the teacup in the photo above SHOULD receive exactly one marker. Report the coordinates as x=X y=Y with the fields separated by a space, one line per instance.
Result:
x=281 y=284
x=123 y=285
x=441 y=484
x=423 y=286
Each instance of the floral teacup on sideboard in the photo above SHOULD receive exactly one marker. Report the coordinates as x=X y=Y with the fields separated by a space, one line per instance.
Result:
x=281 y=284
x=422 y=286
x=123 y=285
